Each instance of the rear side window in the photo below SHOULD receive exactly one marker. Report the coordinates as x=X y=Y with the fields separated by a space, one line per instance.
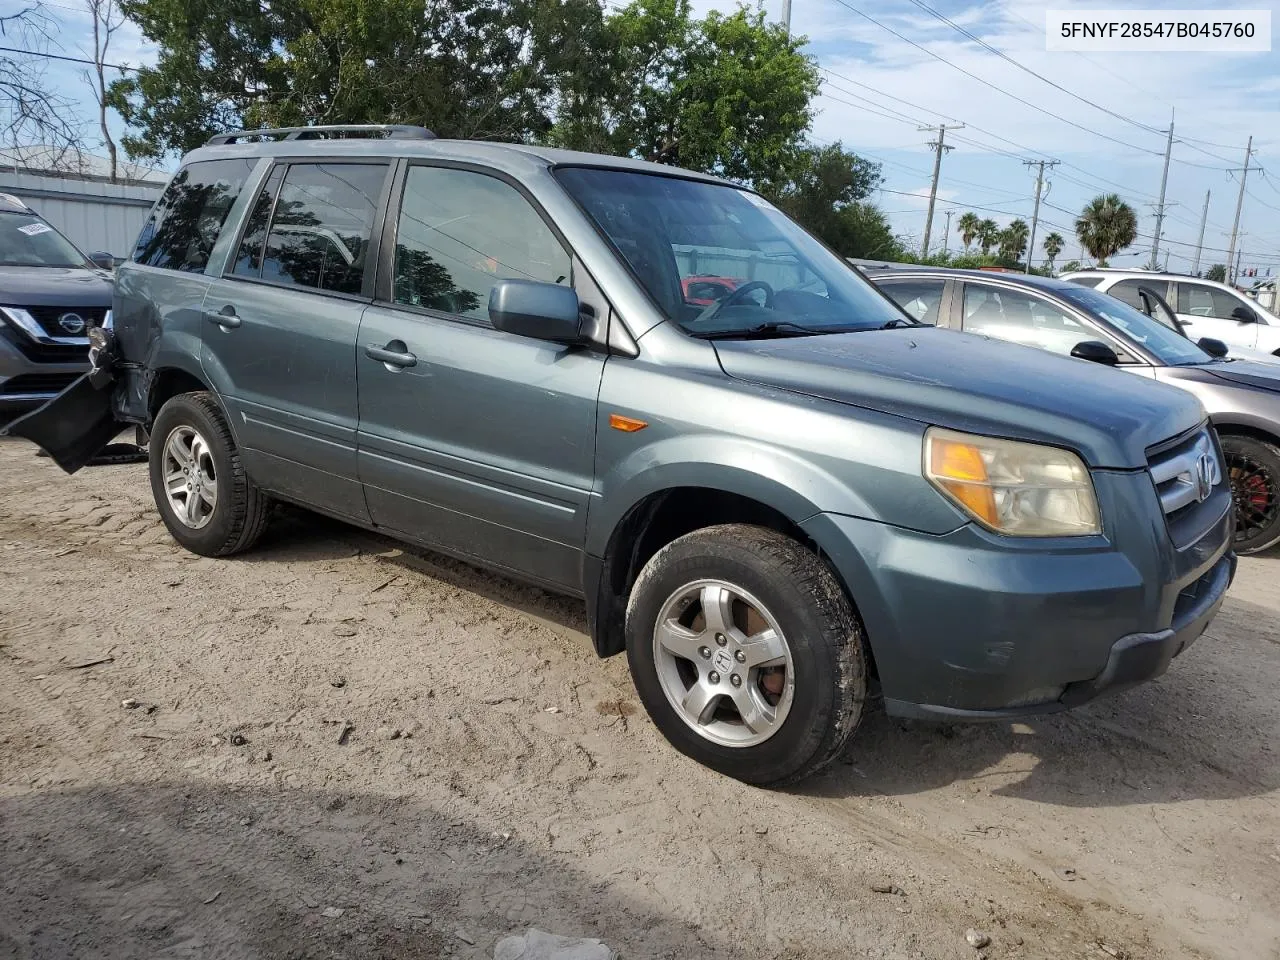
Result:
x=460 y=233
x=184 y=225
x=1127 y=290
x=248 y=262
x=1086 y=281
x=320 y=230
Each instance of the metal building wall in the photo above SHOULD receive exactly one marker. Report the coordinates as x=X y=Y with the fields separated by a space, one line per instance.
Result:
x=93 y=215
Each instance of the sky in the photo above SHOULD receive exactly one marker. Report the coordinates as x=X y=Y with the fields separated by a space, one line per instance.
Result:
x=879 y=88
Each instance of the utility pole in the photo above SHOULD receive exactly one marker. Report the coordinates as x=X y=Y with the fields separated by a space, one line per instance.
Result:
x=1160 y=206
x=946 y=237
x=1035 y=216
x=939 y=146
x=1236 y=273
x=1204 y=217
x=1235 y=225
x=786 y=16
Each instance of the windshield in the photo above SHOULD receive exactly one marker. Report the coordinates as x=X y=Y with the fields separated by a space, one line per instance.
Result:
x=722 y=262
x=27 y=241
x=1170 y=347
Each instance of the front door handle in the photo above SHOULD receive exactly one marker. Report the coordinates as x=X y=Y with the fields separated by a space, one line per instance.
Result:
x=394 y=354
x=225 y=318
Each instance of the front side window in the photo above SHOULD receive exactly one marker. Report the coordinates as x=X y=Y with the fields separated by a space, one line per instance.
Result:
x=27 y=241
x=1167 y=344
x=461 y=232
x=320 y=231
x=922 y=299
x=1196 y=300
x=670 y=231
x=1021 y=318
x=185 y=222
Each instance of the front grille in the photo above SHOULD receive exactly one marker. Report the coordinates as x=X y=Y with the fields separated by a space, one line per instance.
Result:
x=37 y=383
x=45 y=352
x=48 y=318
x=1190 y=481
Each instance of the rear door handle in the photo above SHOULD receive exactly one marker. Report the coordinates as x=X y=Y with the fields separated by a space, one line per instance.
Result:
x=225 y=318
x=394 y=354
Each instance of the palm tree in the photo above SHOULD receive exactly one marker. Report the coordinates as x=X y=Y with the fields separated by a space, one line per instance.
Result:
x=1053 y=245
x=987 y=235
x=1106 y=226
x=967 y=226
x=1013 y=240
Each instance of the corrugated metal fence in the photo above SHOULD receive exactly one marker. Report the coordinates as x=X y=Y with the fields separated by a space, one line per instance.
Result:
x=94 y=216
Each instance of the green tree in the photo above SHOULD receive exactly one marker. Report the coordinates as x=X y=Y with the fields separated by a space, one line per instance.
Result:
x=1013 y=240
x=728 y=93
x=967 y=227
x=1106 y=226
x=1053 y=245
x=1218 y=273
x=826 y=190
x=1071 y=266
x=988 y=235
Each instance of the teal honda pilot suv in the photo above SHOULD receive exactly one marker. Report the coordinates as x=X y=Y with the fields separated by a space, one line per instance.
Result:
x=773 y=499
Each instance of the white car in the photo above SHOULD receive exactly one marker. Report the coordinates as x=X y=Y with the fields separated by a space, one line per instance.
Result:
x=1204 y=308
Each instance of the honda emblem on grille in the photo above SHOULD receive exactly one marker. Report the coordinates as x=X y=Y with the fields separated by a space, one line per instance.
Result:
x=1206 y=475
x=73 y=323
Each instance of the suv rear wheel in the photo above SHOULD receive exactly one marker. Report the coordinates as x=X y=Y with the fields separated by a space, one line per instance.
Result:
x=746 y=653
x=1253 y=468
x=198 y=482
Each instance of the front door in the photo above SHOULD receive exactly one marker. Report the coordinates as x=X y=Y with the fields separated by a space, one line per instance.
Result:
x=476 y=441
x=281 y=326
x=1206 y=311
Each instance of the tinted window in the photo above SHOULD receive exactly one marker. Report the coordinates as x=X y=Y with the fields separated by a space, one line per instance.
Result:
x=1127 y=290
x=1021 y=318
x=460 y=233
x=1200 y=301
x=669 y=229
x=922 y=299
x=319 y=236
x=1086 y=281
x=27 y=241
x=184 y=225
x=249 y=257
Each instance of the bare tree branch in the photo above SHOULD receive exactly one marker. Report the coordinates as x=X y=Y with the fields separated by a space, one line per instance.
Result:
x=31 y=113
x=107 y=19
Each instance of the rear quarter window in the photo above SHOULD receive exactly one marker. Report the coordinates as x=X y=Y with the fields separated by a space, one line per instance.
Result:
x=185 y=222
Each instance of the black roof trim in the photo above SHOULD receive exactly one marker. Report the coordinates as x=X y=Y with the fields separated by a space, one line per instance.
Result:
x=389 y=131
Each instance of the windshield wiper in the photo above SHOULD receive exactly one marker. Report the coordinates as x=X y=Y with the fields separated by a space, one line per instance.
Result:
x=898 y=322
x=773 y=328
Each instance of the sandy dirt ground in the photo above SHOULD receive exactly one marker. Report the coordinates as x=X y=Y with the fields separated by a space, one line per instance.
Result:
x=336 y=746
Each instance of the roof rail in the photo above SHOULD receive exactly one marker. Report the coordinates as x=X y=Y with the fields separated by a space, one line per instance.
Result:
x=389 y=131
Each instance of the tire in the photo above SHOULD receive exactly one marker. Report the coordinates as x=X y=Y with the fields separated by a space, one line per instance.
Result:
x=823 y=681
x=239 y=510
x=1253 y=467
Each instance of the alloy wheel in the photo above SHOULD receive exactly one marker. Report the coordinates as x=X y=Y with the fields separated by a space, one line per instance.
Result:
x=190 y=481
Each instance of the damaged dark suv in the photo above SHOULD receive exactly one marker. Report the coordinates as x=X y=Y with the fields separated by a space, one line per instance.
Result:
x=776 y=498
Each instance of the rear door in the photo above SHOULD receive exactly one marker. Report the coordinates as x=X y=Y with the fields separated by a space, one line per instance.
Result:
x=280 y=328
x=474 y=440
x=1206 y=311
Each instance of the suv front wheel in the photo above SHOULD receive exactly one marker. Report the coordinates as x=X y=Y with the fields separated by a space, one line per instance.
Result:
x=204 y=497
x=1253 y=467
x=746 y=653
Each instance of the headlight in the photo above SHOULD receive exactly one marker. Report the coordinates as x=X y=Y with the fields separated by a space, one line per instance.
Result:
x=1018 y=489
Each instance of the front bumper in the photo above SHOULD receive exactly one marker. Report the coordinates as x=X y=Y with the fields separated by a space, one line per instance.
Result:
x=972 y=626
x=31 y=374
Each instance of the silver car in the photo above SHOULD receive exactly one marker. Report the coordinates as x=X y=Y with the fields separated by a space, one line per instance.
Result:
x=1242 y=397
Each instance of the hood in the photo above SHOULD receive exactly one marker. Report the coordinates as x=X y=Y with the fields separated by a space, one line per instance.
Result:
x=969 y=382
x=54 y=287
x=1251 y=373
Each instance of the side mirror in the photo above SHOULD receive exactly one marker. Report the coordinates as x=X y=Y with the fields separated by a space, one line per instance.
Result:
x=103 y=260
x=531 y=308
x=1214 y=348
x=1244 y=314
x=1095 y=351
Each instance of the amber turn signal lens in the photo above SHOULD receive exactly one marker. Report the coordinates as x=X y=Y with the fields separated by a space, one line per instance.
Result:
x=626 y=424
x=958 y=467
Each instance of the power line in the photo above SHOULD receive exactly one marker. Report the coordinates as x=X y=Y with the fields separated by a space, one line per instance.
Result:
x=58 y=56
